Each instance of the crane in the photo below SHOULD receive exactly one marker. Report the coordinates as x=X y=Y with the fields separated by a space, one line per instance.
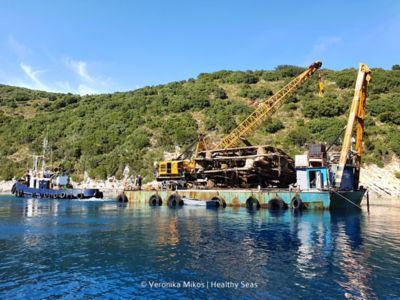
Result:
x=184 y=169
x=357 y=115
x=265 y=109
x=321 y=86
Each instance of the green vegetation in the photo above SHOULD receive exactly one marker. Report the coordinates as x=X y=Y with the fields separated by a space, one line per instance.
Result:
x=103 y=133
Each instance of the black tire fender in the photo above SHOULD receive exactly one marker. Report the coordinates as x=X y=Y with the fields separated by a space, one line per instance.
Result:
x=276 y=204
x=174 y=200
x=252 y=203
x=122 y=198
x=296 y=203
x=155 y=200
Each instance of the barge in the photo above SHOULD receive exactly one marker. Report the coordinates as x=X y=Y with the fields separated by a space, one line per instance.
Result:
x=323 y=180
x=254 y=199
x=315 y=188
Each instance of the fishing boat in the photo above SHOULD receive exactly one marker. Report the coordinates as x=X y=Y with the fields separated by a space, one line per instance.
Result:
x=44 y=183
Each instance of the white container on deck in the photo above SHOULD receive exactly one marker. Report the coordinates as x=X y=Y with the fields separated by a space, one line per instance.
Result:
x=301 y=161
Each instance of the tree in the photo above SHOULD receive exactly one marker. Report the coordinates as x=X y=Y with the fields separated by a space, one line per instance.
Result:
x=273 y=125
x=299 y=136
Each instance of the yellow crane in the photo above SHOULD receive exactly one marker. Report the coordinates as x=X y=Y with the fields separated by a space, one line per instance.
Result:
x=184 y=169
x=321 y=86
x=357 y=115
x=265 y=109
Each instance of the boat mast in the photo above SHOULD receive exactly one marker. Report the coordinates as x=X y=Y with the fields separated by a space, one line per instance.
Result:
x=45 y=144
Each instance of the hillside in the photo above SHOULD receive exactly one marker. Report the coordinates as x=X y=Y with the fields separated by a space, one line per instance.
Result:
x=103 y=133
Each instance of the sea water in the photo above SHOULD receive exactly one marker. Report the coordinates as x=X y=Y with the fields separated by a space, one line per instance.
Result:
x=70 y=249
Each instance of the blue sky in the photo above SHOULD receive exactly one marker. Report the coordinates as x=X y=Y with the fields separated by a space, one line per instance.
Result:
x=105 y=46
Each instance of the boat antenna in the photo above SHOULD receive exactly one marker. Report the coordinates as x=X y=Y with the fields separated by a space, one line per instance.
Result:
x=45 y=145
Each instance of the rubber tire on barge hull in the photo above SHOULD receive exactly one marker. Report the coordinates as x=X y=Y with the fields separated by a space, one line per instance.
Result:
x=277 y=204
x=296 y=203
x=155 y=200
x=174 y=200
x=122 y=198
x=252 y=203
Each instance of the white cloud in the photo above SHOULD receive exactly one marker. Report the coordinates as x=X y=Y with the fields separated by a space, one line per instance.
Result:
x=80 y=68
x=33 y=75
x=82 y=82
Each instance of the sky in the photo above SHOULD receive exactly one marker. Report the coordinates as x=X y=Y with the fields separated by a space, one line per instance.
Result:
x=90 y=47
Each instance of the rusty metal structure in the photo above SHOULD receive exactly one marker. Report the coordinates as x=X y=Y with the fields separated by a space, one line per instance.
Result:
x=246 y=167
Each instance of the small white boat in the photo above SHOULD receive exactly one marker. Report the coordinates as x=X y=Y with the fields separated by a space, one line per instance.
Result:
x=193 y=202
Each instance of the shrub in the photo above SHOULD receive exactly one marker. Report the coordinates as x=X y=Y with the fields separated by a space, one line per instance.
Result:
x=344 y=79
x=241 y=77
x=327 y=129
x=255 y=93
x=396 y=67
x=316 y=108
x=289 y=70
x=299 y=136
x=390 y=117
x=273 y=125
x=394 y=142
x=290 y=106
x=220 y=93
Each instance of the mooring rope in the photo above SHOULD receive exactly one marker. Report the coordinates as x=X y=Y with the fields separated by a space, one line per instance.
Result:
x=347 y=199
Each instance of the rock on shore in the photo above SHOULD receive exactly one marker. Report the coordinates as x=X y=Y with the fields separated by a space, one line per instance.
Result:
x=5 y=187
x=382 y=182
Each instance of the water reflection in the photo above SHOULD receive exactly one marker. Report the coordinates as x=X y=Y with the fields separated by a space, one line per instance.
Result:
x=111 y=247
x=34 y=208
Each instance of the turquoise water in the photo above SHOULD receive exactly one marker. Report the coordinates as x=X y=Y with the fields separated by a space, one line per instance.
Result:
x=60 y=249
